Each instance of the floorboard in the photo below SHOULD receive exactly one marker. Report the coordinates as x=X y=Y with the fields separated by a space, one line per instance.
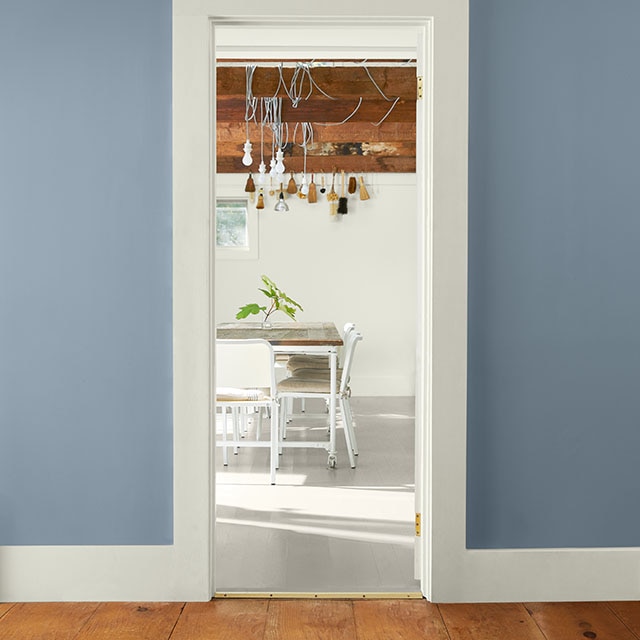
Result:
x=562 y=621
x=131 y=621
x=490 y=622
x=46 y=620
x=398 y=620
x=4 y=607
x=310 y=620
x=222 y=620
x=629 y=613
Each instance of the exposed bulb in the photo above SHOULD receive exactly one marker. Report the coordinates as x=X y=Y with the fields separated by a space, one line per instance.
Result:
x=279 y=163
x=281 y=205
x=262 y=176
x=246 y=158
x=272 y=171
x=304 y=187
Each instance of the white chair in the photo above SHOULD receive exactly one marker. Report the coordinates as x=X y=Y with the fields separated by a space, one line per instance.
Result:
x=316 y=383
x=245 y=379
x=298 y=361
x=310 y=361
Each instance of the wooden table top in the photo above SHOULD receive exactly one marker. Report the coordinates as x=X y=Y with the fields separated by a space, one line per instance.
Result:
x=283 y=333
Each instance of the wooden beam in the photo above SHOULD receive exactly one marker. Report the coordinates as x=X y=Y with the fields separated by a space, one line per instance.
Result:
x=357 y=145
x=338 y=82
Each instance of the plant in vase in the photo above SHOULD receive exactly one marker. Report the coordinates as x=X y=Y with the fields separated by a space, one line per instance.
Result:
x=278 y=301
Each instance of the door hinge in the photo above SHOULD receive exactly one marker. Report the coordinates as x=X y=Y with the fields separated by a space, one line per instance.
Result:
x=420 y=88
x=418 y=525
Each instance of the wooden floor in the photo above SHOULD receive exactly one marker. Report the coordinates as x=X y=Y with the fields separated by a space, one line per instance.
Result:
x=319 y=619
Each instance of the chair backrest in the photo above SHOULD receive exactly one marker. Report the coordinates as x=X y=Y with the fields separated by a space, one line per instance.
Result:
x=349 y=349
x=245 y=364
x=347 y=332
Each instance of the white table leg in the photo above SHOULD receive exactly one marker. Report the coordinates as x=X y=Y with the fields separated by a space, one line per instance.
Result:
x=333 y=362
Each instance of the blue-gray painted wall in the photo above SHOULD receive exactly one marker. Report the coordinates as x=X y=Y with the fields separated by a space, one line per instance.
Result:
x=554 y=274
x=85 y=273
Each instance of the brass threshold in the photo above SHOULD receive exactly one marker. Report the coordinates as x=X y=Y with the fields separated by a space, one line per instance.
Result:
x=284 y=595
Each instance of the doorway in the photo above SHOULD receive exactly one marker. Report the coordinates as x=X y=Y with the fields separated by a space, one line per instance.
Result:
x=408 y=41
x=446 y=568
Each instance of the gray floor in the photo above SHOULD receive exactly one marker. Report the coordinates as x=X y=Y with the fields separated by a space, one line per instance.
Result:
x=319 y=530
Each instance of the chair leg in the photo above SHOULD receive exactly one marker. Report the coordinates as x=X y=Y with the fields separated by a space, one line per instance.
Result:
x=225 y=451
x=236 y=428
x=347 y=433
x=282 y=424
x=275 y=428
x=349 y=421
x=259 y=423
x=285 y=412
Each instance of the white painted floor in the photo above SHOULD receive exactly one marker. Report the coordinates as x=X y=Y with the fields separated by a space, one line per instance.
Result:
x=320 y=529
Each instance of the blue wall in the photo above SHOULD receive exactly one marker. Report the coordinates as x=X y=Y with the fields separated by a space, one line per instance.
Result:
x=554 y=274
x=85 y=272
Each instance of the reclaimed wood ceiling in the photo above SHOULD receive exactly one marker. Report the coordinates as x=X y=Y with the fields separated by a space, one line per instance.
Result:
x=358 y=145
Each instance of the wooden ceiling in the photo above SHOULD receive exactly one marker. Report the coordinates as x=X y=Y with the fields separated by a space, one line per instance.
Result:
x=357 y=146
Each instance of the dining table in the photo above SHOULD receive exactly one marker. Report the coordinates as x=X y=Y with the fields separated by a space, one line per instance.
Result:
x=297 y=337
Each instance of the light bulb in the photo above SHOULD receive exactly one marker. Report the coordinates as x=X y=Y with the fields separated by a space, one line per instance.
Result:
x=281 y=205
x=304 y=187
x=262 y=177
x=272 y=164
x=246 y=158
x=279 y=163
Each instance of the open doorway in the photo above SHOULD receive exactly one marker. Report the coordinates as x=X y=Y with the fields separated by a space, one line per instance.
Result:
x=363 y=268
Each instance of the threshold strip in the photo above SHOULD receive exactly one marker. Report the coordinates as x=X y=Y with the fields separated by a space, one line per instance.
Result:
x=310 y=595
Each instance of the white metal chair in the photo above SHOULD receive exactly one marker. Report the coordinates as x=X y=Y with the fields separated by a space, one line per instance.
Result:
x=310 y=361
x=298 y=361
x=245 y=379
x=316 y=383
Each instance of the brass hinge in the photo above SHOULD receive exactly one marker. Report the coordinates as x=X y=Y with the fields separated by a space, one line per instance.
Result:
x=418 y=525
x=419 y=87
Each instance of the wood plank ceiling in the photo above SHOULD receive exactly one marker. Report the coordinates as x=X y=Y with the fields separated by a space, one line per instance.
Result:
x=355 y=146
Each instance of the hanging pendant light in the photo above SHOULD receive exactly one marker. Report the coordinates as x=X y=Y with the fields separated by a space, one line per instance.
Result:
x=281 y=205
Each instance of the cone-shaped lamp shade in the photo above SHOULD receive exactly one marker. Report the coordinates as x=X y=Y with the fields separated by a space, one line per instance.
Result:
x=281 y=205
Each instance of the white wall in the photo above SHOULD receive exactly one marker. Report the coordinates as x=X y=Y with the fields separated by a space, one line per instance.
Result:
x=360 y=267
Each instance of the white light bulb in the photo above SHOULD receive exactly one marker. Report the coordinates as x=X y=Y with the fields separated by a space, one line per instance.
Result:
x=281 y=205
x=247 y=159
x=304 y=187
x=262 y=177
x=279 y=163
x=272 y=164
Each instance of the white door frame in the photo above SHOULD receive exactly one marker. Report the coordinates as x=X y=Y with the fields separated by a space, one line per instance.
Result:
x=449 y=197
x=370 y=38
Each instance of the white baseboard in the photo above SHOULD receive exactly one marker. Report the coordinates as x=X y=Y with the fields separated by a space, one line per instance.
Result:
x=102 y=574
x=538 y=575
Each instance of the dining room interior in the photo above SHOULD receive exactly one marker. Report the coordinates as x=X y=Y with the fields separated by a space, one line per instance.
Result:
x=335 y=226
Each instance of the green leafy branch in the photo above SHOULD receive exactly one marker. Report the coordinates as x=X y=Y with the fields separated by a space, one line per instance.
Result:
x=278 y=301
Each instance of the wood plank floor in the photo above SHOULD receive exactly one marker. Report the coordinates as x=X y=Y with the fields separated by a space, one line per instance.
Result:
x=265 y=619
